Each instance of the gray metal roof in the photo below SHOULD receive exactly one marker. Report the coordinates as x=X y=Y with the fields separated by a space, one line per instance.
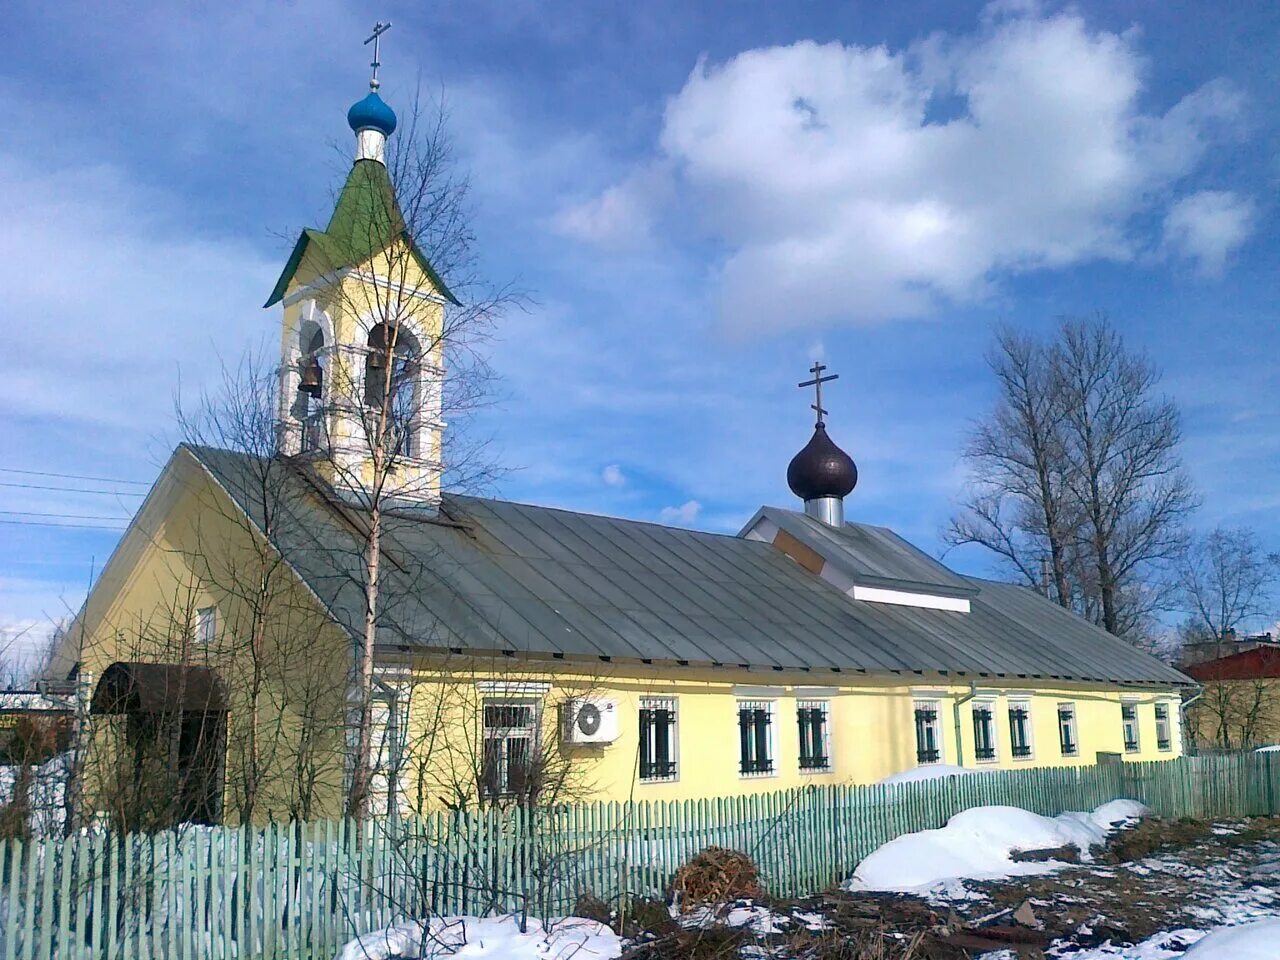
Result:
x=492 y=575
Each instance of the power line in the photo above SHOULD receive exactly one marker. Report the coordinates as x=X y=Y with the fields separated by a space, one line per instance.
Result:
x=38 y=486
x=73 y=476
x=52 y=523
x=62 y=516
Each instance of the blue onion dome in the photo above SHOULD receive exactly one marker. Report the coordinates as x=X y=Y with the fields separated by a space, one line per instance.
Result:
x=372 y=112
x=821 y=469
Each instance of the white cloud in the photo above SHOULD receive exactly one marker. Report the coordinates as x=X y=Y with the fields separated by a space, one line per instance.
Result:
x=620 y=217
x=852 y=184
x=613 y=476
x=1207 y=227
x=111 y=296
x=686 y=513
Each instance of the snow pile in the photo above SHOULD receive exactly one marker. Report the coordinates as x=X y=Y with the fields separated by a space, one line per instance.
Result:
x=933 y=771
x=1259 y=940
x=977 y=845
x=490 y=938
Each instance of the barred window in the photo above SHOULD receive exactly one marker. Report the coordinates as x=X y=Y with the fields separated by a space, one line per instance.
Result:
x=755 y=739
x=815 y=750
x=510 y=747
x=928 y=735
x=657 y=738
x=1067 y=740
x=1129 y=721
x=984 y=732
x=1164 y=738
x=1020 y=730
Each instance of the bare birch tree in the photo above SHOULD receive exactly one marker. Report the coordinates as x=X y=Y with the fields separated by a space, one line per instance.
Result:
x=424 y=311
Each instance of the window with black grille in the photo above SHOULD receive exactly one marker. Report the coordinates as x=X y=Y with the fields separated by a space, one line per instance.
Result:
x=1164 y=738
x=510 y=738
x=1129 y=721
x=755 y=741
x=1020 y=730
x=815 y=752
x=1068 y=742
x=657 y=739
x=928 y=736
x=984 y=732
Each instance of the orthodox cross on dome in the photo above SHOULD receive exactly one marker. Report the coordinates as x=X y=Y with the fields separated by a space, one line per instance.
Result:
x=817 y=382
x=379 y=29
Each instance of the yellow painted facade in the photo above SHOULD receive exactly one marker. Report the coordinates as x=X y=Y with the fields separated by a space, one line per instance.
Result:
x=189 y=550
x=871 y=726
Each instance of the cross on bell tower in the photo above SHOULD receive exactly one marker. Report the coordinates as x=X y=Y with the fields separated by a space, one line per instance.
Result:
x=817 y=382
x=379 y=29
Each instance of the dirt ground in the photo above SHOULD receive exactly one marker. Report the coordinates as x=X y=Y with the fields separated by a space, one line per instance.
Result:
x=1160 y=877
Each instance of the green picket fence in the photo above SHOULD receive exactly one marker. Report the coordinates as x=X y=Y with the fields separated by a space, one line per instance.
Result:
x=299 y=891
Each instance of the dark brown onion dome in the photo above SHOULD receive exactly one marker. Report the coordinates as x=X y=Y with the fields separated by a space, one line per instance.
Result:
x=821 y=469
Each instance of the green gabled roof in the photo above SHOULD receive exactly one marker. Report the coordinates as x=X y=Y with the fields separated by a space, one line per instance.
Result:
x=367 y=219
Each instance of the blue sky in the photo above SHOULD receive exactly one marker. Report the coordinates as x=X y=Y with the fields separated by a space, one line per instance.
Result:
x=700 y=198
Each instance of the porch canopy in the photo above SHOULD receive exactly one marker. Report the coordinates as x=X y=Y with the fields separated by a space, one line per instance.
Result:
x=158 y=688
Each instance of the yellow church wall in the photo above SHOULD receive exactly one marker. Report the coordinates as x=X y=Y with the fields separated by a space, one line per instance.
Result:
x=871 y=728
x=188 y=551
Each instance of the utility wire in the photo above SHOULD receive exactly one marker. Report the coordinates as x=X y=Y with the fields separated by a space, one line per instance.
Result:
x=63 y=516
x=72 y=476
x=38 y=486
x=53 y=523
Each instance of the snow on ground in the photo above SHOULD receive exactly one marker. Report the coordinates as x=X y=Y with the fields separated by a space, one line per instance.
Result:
x=933 y=771
x=977 y=844
x=1259 y=940
x=488 y=938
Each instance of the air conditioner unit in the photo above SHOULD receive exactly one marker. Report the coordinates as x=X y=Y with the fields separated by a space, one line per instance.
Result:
x=591 y=720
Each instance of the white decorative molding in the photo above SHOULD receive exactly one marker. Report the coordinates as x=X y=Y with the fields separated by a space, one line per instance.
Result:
x=329 y=279
x=815 y=693
x=514 y=688
x=906 y=599
x=758 y=693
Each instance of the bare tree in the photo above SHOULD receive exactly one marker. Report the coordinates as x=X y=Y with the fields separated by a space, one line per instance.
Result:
x=1122 y=466
x=1076 y=474
x=1225 y=580
x=267 y=645
x=1020 y=506
x=386 y=398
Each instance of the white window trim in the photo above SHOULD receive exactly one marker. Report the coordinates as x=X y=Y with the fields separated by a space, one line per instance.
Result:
x=917 y=703
x=1137 y=727
x=1168 y=723
x=1075 y=727
x=993 y=708
x=771 y=707
x=672 y=704
x=823 y=704
x=1029 y=729
x=535 y=730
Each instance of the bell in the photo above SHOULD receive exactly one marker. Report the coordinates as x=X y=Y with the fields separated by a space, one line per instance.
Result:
x=312 y=378
x=377 y=358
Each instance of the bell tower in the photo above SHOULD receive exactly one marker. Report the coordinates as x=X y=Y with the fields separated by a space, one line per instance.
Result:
x=362 y=358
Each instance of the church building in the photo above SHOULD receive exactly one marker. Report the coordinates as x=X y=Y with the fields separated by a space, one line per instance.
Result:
x=530 y=654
